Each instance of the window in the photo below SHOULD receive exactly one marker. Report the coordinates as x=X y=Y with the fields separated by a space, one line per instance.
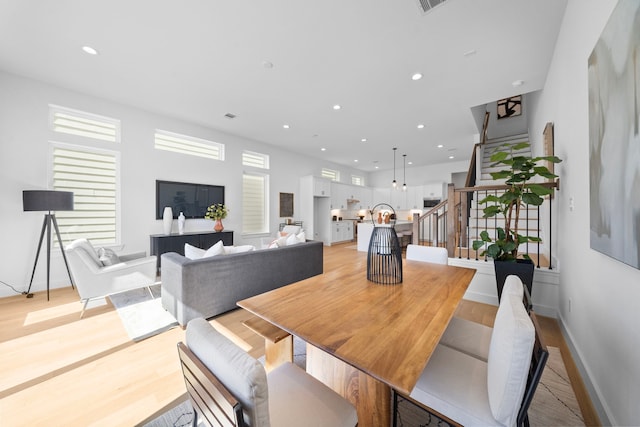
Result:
x=255 y=208
x=80 y=123
x=331 y=174
x=357 y=180
x=255 y=160
x=190 y=145
x=93 y=176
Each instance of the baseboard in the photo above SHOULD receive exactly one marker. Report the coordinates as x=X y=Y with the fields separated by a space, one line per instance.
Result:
x=594 y=393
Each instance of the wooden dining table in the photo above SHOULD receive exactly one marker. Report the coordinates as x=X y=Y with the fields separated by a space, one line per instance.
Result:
x=364 y=339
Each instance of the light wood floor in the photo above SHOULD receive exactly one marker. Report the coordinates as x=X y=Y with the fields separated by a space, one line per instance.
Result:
x=58 y=370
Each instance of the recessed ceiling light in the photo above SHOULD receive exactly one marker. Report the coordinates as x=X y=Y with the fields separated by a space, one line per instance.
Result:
x=517 y=83
x=267 y=64
x=409 y=163
x=363 y=140
x=89 y=50
x=420 y=126
x=355 y=161
x=377 y=167
x=323 y=149
x=440 y=145
x=337 y=107
x=452 y=157
x=416 y=76
x=285 y=126
x=470 y=53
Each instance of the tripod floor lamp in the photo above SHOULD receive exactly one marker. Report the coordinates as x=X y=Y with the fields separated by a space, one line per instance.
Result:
x=48 y=201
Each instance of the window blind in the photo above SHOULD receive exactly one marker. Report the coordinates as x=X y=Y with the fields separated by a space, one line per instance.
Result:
x=255 y=160
x=80 y=123
x=92 y=176
x=190 y=145
x=331 y=174
x=254 y=203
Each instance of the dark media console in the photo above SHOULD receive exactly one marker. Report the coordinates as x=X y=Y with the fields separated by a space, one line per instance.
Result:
x=161 y=243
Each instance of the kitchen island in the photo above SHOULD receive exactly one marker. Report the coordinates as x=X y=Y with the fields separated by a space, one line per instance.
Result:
x=366 y=228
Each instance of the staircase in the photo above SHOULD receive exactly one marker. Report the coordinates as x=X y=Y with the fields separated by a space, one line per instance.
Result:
x=529 y=224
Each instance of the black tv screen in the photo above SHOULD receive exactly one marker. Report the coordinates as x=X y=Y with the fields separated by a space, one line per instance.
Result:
x=190 y=199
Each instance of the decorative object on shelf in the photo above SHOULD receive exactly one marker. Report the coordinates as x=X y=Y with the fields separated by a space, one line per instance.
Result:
x=167 y=220
x=404 y=168
x=384 y=257
x=379 y=217
x=47 y=200
x=387 y=217
x=394 y=183
x=217 y=212
x=521 y=192
x=181 y=223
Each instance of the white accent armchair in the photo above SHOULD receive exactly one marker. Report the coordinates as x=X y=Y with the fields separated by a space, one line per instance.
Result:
x=95 y=280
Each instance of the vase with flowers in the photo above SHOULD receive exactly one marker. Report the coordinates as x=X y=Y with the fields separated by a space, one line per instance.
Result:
x=217 y=212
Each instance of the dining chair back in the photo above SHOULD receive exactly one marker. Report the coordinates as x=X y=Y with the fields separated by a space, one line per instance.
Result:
x=466 y=390
x=243 y=392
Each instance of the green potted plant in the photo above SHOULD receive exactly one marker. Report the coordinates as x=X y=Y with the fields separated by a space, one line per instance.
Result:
x=217 y=212
x=518 y=175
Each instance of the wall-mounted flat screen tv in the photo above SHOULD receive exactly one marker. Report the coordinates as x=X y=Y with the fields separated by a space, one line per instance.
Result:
x=190 y=199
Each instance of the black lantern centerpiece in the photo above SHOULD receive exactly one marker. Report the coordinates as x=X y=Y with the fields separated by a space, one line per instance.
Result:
x=384 y=259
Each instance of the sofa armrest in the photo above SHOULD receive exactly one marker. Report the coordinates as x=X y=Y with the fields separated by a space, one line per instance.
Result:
x=131 y=257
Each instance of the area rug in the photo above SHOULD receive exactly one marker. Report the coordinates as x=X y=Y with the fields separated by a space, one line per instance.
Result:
x=554 y=403
x=142 y=315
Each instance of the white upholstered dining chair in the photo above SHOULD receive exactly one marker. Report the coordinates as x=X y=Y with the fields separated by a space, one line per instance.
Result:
x=433 y=254
x=466 y=390
x=229 y=387
x=474 y=338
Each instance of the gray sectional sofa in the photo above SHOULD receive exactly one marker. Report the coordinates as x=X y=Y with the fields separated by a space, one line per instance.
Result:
x=210 y=286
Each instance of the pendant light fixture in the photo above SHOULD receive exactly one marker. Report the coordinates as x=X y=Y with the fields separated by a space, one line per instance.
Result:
x=394 y=183
x=404 y=162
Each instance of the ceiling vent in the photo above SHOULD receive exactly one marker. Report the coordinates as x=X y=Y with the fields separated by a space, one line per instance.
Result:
x=427 y=5
x=230 y=116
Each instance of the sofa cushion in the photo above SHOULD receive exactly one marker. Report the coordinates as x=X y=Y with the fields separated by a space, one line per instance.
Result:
x=85 y=245
x=509 y=358
x=228 y=250
x=217 y=249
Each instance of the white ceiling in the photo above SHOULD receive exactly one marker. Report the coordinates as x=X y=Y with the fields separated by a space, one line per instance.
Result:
x=200 y=59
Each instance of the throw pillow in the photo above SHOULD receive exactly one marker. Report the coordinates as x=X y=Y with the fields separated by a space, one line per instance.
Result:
x=192 y=252
x=281 y=241
x=108 y=257
x=301 y=237
x=214 y=250
x=292 y=239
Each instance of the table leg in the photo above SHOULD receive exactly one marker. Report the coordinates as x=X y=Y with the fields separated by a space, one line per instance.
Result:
x=276 y=353
x=370 y=396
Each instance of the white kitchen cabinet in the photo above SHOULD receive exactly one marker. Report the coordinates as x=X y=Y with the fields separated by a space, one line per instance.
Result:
x=341 y=231
x=321 y=187
x=339 y=195
x=434 y=190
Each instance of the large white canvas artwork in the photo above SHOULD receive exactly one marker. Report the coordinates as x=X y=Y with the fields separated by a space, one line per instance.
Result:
x=614 y=136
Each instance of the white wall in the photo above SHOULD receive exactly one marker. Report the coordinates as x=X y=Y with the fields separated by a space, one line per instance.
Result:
x=598 y=295
x=420 y=175
x=24 y=164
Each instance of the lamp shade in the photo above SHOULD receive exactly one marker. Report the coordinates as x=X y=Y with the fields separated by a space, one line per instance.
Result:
x=47 y=200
